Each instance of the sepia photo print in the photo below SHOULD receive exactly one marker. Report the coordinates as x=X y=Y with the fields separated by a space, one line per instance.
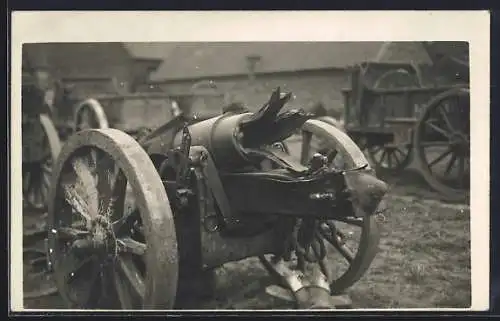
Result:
x=242 y=174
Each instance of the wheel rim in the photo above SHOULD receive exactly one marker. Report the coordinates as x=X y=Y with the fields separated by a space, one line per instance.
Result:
x=36 y=175
x=112 y=238
x=397 y=78
x=90 y=114
x=348 y=265
x=332 y=121
x=442 y=141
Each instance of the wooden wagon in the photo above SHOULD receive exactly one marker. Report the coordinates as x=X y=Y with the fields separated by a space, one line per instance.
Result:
x=133 y=113
x=393 y=115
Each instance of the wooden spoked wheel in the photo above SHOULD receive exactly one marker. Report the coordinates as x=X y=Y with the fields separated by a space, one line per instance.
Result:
x=353 y=242
x=389 y=157
x=112 y=238
x=442 y=143
x=90 y=114
x=393 y=157
x=41 y=146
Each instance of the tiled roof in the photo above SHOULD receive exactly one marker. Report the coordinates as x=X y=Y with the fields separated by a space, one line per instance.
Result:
x=201 y=60
x=149 y=50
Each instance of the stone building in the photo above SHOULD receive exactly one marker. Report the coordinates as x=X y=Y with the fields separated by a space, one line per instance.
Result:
x=248 y=72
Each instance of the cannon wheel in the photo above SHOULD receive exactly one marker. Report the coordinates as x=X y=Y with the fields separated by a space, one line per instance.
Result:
x=36 y=175
x=348 y=156
x=332 y=121
x=90 y=114
x=391 y=157
x=442 y=143
x=112 y=239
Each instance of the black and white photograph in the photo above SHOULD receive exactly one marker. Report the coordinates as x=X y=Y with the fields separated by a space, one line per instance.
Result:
x=305 y=170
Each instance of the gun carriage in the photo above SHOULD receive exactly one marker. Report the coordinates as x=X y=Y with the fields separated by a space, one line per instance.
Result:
x=131 y=222
x=393 y=114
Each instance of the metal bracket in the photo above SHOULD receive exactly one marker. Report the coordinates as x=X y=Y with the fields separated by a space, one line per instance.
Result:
x=201 y=156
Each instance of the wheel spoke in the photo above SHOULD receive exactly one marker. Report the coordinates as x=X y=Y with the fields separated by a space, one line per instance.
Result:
x=437 y=129
x=396 y=157
x=35 y=191
x=123 y=293
x=118 y=196
x=46 y=179
x=389 y=159
x=69 y=233
x=342 y=248
x=306 y=146
x=450 y=164
x=461 y=169
x=324 y=266
x=435 y=144
x=73 y=272
x=440 y=157
x=351 y=220
x=44 y=187
x=46 y=169
x=108 y=288
x=105 y=168
x=331 y=156
x=76 y=202
x=128 y=269
x=26 y=180
x=385 y=157
x=398 y=150
x=85 y=185
x=129 y=245
x=94 y=294
x=336 y=238
x=125 y=222
x=445 y=118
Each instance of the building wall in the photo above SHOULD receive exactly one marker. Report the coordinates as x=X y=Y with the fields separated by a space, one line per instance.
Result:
x=307 y=87
x=73 y=60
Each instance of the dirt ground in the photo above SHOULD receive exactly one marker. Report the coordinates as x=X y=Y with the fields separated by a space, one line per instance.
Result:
x=423 y=262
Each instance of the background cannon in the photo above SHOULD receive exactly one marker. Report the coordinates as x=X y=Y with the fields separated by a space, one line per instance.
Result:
x=131 y=222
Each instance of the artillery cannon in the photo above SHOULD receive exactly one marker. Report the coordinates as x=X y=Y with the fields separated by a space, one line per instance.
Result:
x=131 y=222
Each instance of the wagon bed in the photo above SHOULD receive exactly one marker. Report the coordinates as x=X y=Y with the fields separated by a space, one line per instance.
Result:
x=393 y=113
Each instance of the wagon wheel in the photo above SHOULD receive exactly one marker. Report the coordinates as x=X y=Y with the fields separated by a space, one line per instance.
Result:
x=393 y=157
x=442 y=143
x=362 y=234
x=112 y=237
x=90 y=114
x=332 y=121
x=389 y=157
x=42 y=148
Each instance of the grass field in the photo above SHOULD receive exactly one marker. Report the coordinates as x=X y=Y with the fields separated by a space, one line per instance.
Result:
x=423 y=262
